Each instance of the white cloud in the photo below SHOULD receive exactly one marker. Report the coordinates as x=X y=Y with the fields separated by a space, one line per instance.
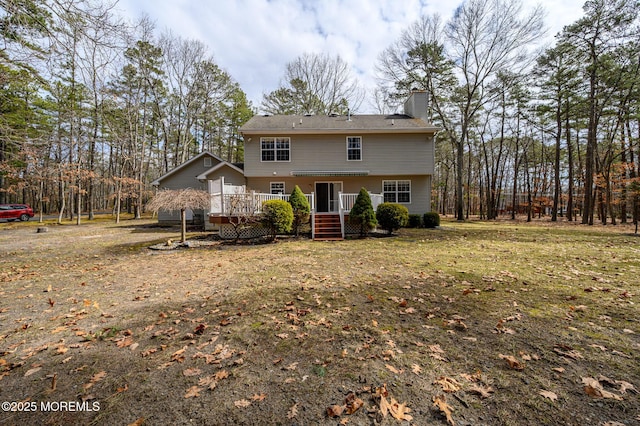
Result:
x=254 y=39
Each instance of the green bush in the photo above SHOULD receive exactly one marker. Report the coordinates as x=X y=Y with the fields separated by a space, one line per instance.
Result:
x=431 y=219
x=277 y=215
x=392 y=216
x=362 y=213
x=301 y=208
x=415 y=221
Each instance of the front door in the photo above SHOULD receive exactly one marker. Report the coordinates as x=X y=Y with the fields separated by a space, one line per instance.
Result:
x=327 y=194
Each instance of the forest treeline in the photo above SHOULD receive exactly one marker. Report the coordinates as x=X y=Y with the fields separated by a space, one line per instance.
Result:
x=94 y=108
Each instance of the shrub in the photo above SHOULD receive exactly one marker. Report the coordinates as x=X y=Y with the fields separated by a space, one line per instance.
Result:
x=431 y=219
x=277 y=215
x=362 y=213
x=415 y=221
x=392 y=216
x=301 y=208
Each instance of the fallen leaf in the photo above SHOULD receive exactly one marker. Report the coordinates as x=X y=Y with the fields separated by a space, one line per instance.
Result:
x=416 y=369
x=399 y=411
x=259 y=397
x=513 y=362
x=293 y=411
x=178 y=356
x=475 y=377
x=441 y=403
x=568 y=352
x=448 y=384
x=32 y=371
x=436 y=349
x=335 y=410
x=138 y=422
x=558 y=369
x=393 y=369
x=242 y=403
x=484 y=392
x=593 y=388
x=95 y=378
x=192 y=392
x=222 y=374
x=548 y=394
x=380 y=391
x=189 y=372
x=123 y=343
x=352 y=403
x=625 y=386
x=384 y=406
x=200 y=329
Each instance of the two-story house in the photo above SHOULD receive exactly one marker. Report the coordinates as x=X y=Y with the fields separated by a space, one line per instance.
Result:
x=330 y=158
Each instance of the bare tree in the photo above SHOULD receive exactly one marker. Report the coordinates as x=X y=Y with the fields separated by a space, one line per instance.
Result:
x=315 y=84
x=180 y=200
x=458 y=64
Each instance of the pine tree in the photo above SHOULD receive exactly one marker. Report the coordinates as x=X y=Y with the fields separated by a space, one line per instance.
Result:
x=301 y=208
x=362 y=213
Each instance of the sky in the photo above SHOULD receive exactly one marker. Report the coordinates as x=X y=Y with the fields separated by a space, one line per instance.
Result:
x=253 y=40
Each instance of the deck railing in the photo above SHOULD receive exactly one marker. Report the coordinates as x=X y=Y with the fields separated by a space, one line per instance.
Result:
x=246 y=203
x=348 y=200
x=242 y=203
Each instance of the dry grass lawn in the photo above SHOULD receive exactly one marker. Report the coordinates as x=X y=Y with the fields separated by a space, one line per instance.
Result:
x=474 y=324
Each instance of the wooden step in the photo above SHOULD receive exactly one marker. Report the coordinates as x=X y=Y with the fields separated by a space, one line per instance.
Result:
x=327 y=227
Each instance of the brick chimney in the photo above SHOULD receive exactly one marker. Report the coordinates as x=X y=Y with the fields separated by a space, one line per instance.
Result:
x=416 y=105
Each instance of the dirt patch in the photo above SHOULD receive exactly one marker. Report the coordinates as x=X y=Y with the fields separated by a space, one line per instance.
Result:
x=481 y=323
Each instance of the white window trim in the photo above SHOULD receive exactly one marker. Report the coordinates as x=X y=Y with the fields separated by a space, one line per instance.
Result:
x=284 y=188
x=275 y=149
x=396 y=191
x=347 y=144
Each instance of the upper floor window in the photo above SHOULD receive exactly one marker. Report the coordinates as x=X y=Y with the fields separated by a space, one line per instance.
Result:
x=207 y=161
x=277 y=187
x=354 y=148
x=275 y=149
x=396 y=191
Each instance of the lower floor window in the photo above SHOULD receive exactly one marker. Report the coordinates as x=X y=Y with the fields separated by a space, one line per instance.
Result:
x=396 y=191
x=277 y=187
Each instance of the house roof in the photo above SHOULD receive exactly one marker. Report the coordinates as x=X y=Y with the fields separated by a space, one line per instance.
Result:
x=183 y=165
x=328 y=124
x=203 y=176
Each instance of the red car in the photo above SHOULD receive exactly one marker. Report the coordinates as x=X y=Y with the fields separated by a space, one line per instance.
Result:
x=16 y=211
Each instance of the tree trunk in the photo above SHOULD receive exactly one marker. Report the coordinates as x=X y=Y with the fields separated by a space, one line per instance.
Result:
x=459 y=166
x=183 y=221
x=570 y=216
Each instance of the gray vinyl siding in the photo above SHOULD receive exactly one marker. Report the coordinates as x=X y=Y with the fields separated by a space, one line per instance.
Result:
x=382 y=155
x=186 y=177
x=231 y=176
x=420 y=186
